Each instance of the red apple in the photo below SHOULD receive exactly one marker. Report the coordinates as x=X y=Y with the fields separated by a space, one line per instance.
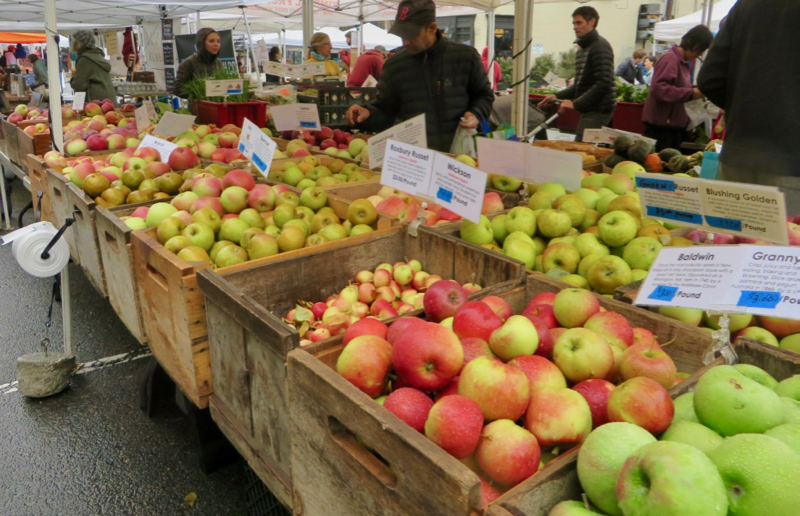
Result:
x=365 y=363
x=499 y=306
x=650 y=361
x=239 y=177
x=449 y=390
x=454 y=424
x=508 y=453
x=400 y=326
x=543 y=298
x=500 y=390
x=427 y=356
x=641 y=401
x=182 y=158
x=488 y=493
x=542 y=374
x=546 y=341
x=442 y=299
x=613 y=326
x=596 y=392
x=778 y=326
x=366 y=326
x=474 y=348
x=475 y=319
x=643 y=336
x=410 y=405
x=559 y=417
x=543 y=312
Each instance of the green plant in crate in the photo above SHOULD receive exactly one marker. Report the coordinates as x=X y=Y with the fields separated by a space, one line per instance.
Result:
x=196 y=88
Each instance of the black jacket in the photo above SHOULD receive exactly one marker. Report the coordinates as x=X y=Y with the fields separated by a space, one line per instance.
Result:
x=629 y=72
x=444 y=82
x=594 y=89
x=200 y=64
x=741 y=74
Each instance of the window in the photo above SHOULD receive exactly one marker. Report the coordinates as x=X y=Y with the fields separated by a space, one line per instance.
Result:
x=458 y=28
x=504 y=36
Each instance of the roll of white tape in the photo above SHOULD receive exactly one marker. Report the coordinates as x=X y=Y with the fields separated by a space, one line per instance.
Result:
x=27 y=245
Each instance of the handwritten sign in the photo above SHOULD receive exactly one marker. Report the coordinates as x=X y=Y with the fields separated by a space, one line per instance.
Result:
x=142 y=118
x=151 y=110
x=293 y=71
x=291 y=116
x=163 y=147
x=173 y=125
x=223 y=88
x=739 y=209
x=36 y=99
x=607 y=135
x=434 y=177
x=257 y=146
x=533 y=164
x=78 y=100
x=411 y=131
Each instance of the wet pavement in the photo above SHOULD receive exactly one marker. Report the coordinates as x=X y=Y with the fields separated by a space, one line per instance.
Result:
x=90 y=450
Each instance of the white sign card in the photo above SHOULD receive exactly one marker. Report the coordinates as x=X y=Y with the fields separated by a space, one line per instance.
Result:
x=142 y=120
x=371 y=82
x=78 y=100
x=411 y=131
x=163 y=147
x=533 y=164
x=432 y=176
x=173 y=125
x=223 y=88
x=607 y=135
x=257 y=146
x=762 y=280
x=739 y=209
x=291 y=116
x=293 y=71
x=151 y=110
x=36 y=99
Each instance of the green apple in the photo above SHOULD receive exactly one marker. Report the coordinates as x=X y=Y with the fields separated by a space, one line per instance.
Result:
x=586 y=263
x=248 y=235
x=608 y=273
x=362 y=211
x=304 y=213
x=570 y=239
x=292 y=176
x=730 y=403
x=594 y=180
x=539 y=244
x=208 y=217
x=575 y=280
x=305 y=226
x=589 y=197
x=561 y=256
x=322 y=219
x=467 y=160
x=788 y=433
x=760 y=475
x=478 y=234
x=176 y=243
x=314 y=198
x=573 y=206
x=692 y=316
x=200 y=234
x=506 y=183
x=589 y=243
x=306 y=183
x=291 y=238
x=233 y=230
x=522 y=219
x=262 y=245
x=603 y=202
x=737 y=322
x=540 y=201
x=617 y=228
x=554 y=189
x=791 y=410
x=194 y=254
x=757 y=374
x=500 y=232
x=135 y=223
x=600 y=459
x=689 y=432
x=168 y=228
x=253 y=218
x=684 y=408
x=759 y=334
x=521 y=250
x=516 y=337
x=638 y=274
x=231 y=255
x=360 y=229
x=791 y=342
x=789 y=388
x=553 y=223
x=519 y=235
x=641 y=252
x=667 y=478
x=158 y=212
x=283 y=214
x=217 y=247
x=571 y=508
x=333 y=232
x=619 y=184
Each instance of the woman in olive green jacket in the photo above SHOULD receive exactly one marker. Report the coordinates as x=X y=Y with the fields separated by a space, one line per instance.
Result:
x=91 y=69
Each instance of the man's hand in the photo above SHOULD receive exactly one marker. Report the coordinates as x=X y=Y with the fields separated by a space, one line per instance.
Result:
x=547 y=100
x=566 y=104
x=697 y=94
x=469 y=121
x=356 y=114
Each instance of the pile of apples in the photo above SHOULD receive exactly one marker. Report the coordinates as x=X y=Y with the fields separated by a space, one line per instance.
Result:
x=385 y=292
x=470 y=374
x=233 y=220
x=733 y=447
x=333 y=142
x=307 y=171
x=775 y=331
x=24 y=112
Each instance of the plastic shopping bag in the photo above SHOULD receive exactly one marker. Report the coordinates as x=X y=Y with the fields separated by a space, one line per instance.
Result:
x=700 y=111
x=464 y=142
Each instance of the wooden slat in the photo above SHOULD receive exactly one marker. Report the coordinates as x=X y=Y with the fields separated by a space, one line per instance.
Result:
x=38 y=178
x=229 y=363
x=36 y=145
x=86 y=241
x=57 y=191
x=12 y=144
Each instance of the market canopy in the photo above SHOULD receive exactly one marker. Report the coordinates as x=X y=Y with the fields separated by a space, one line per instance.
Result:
x=22 y=37
x=673 y=30
x=373 y=36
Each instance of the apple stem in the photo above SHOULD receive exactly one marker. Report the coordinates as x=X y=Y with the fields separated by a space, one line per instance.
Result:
x=667 y=343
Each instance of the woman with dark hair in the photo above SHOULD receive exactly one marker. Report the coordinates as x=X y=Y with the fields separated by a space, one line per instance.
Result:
x=202 y=63
x=664 y=115
x=92 y=70
x=274 y=57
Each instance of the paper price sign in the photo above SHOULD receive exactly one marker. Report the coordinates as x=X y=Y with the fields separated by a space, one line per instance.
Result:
x=142 y=120
x=36 y=99
x=292 y=116
x=293 y=71
x=151 y=110
x=411 y=131
x=78 y=100
x=257 y=146
x=533 y=164
x=173 y=125
x=762 y=280
x=434 y=177
x=163 y=147
x=745 y=210
x=223 y=88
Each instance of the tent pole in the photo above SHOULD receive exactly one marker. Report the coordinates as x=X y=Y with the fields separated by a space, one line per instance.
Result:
x=490 y=41
x=251 y=50
x=308 y=24
x=710 y=12
x=197 y=22
x=53 y=73
x=523 y=14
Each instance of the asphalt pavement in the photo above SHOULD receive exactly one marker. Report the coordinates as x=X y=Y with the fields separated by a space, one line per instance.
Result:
x=90 y=450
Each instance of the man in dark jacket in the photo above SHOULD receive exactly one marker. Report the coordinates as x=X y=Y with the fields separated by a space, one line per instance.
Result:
x=432 y=75
x=759 y=98
x=593 y=92
x=631 y=69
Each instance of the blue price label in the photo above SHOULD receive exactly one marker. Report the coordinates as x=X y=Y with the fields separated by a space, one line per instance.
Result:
x=759 y=299
x=444 y=194
x=680 y=216
x=241 y=147
x=663 y=185
x=308 y=125
x=723 y=223
x=662 y=293
x=259 y=163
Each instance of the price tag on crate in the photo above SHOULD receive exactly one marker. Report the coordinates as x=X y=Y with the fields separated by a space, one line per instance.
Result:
x=163 y=147
x=78 y=100
x=411 y=131
x=739 y=209
x=223 y=88
x=36 y=99
x=533 y=164
x=151 y=110
x=291 y=116
x=434 y=177
x=173 y=125
x=257 y=146
x=142 y=120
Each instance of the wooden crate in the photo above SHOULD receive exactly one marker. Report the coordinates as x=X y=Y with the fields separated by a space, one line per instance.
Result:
x=12 y=145
x=86 y=242
x=36 y=145
x=38 y=178
x=559 y=483
x=116 y=252
x=334 y=472
x=57 y=186
x=173 y=308
x=249 y=342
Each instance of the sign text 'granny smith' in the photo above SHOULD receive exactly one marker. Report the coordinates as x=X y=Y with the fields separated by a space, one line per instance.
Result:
x=762 y=280
x=257 y=146
x=529 y=163
x=739 y=209
x=411 y=131
x=293 y=116
x=434 y=177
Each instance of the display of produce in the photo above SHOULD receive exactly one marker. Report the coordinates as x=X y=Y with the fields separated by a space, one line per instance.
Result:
x=314 y=170
x=333 y=142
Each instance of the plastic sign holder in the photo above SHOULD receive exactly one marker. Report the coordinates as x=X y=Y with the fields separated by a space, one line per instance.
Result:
x=722 y=340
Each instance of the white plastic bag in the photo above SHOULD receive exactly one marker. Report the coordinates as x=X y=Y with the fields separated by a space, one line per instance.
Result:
x=699 y=111
x=464 y=142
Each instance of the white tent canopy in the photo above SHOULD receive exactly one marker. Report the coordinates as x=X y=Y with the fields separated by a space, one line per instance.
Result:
x=673 y=30
x=373 y=36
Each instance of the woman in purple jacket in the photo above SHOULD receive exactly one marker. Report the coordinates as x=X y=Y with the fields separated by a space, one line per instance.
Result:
x=664 y=116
